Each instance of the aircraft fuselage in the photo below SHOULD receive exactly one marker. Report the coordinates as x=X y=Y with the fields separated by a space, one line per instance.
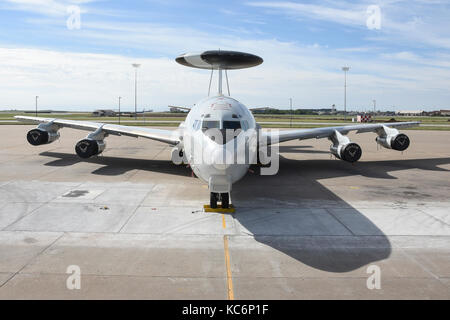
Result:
x=216 y=131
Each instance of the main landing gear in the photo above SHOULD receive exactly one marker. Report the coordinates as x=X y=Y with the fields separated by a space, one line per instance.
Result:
x=224 y=198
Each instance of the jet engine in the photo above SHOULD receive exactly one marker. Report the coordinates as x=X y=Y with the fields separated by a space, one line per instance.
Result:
x=343 y=148
x=38 y=136
x=350 y=152
x=87 y=148
x=399 y=142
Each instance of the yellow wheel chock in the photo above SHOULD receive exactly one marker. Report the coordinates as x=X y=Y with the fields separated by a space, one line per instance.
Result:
x=219 y=209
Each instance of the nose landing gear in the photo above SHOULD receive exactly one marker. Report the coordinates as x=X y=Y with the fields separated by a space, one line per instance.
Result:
x=224 y=198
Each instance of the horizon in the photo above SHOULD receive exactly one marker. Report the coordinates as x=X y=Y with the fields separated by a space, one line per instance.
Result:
x=166 y=110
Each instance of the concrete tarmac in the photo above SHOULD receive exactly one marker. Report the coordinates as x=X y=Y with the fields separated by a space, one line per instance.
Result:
x=132 y=222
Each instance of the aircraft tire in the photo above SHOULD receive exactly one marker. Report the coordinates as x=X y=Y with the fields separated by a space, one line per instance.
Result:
x=225 y=200
x=213 y=200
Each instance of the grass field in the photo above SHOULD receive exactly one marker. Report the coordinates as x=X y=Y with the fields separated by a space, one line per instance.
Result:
x=283 y=121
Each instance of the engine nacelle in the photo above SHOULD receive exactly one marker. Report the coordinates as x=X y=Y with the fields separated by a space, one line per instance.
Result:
x=37 y=136
x=87 y=148
x=399 y=142
x=350 y=152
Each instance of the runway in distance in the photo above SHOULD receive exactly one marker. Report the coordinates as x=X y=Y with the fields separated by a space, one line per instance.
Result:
x=220 y=138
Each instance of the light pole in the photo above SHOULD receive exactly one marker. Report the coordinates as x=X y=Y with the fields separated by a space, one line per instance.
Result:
x=345 y=69
x=36 y=104
x=290 y=103
x=374 y=107
x=136 y=66
x=119 y=108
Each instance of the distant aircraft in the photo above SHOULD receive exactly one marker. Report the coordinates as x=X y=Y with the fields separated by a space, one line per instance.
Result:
x=217 y=129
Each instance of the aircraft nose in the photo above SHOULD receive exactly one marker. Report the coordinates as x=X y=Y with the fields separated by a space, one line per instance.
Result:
x=221 y=157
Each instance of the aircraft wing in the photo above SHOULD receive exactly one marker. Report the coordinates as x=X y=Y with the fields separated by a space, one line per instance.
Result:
x=327 y=132
x=167 y=136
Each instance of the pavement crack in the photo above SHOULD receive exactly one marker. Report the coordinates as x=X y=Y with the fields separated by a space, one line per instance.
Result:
x=33 y=258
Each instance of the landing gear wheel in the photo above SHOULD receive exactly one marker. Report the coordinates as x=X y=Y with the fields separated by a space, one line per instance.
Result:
x=225 y=197
x=213 y=200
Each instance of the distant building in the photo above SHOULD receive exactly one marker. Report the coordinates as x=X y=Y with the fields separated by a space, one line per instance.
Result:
x=410 y=113
x=444 y=113
x=103 y=113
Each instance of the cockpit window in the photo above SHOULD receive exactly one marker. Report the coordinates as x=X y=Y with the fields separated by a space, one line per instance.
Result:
x=232 y=125
x=195 y=124
x=229 y=130
x=210 y=124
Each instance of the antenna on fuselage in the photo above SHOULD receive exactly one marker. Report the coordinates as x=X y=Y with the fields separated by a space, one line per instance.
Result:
x=210 y=80
x=219 y=60
x=228 y=86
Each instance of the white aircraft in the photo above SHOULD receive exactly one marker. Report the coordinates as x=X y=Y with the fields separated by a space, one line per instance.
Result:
x=217 y=129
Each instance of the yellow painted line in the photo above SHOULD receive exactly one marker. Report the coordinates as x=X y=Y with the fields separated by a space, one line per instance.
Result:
x=224 y=224
x=227 y=262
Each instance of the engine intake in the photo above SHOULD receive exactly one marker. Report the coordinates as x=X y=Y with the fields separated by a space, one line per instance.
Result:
x=399 y=142
x=350 y=152
x=87 y=148
x=37 y=137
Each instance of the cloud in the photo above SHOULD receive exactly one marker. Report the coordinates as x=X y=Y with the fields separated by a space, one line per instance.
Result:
x=356 y=15
x=404 y=55
x=407 y=22
x=72 y=80
x=312 y=76
x=45 y=7
x=52 y=8
x=308 y=72
x=435 y=60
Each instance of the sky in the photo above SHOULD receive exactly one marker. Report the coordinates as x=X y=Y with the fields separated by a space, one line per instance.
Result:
x=77 y=54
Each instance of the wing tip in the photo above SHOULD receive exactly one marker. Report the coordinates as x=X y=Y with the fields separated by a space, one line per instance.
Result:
x=20 y=118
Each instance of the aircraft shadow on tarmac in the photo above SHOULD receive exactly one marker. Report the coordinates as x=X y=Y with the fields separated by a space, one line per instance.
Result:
x=297 y=186
x=265 y=203
x=299 y=149
x=115 y=166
